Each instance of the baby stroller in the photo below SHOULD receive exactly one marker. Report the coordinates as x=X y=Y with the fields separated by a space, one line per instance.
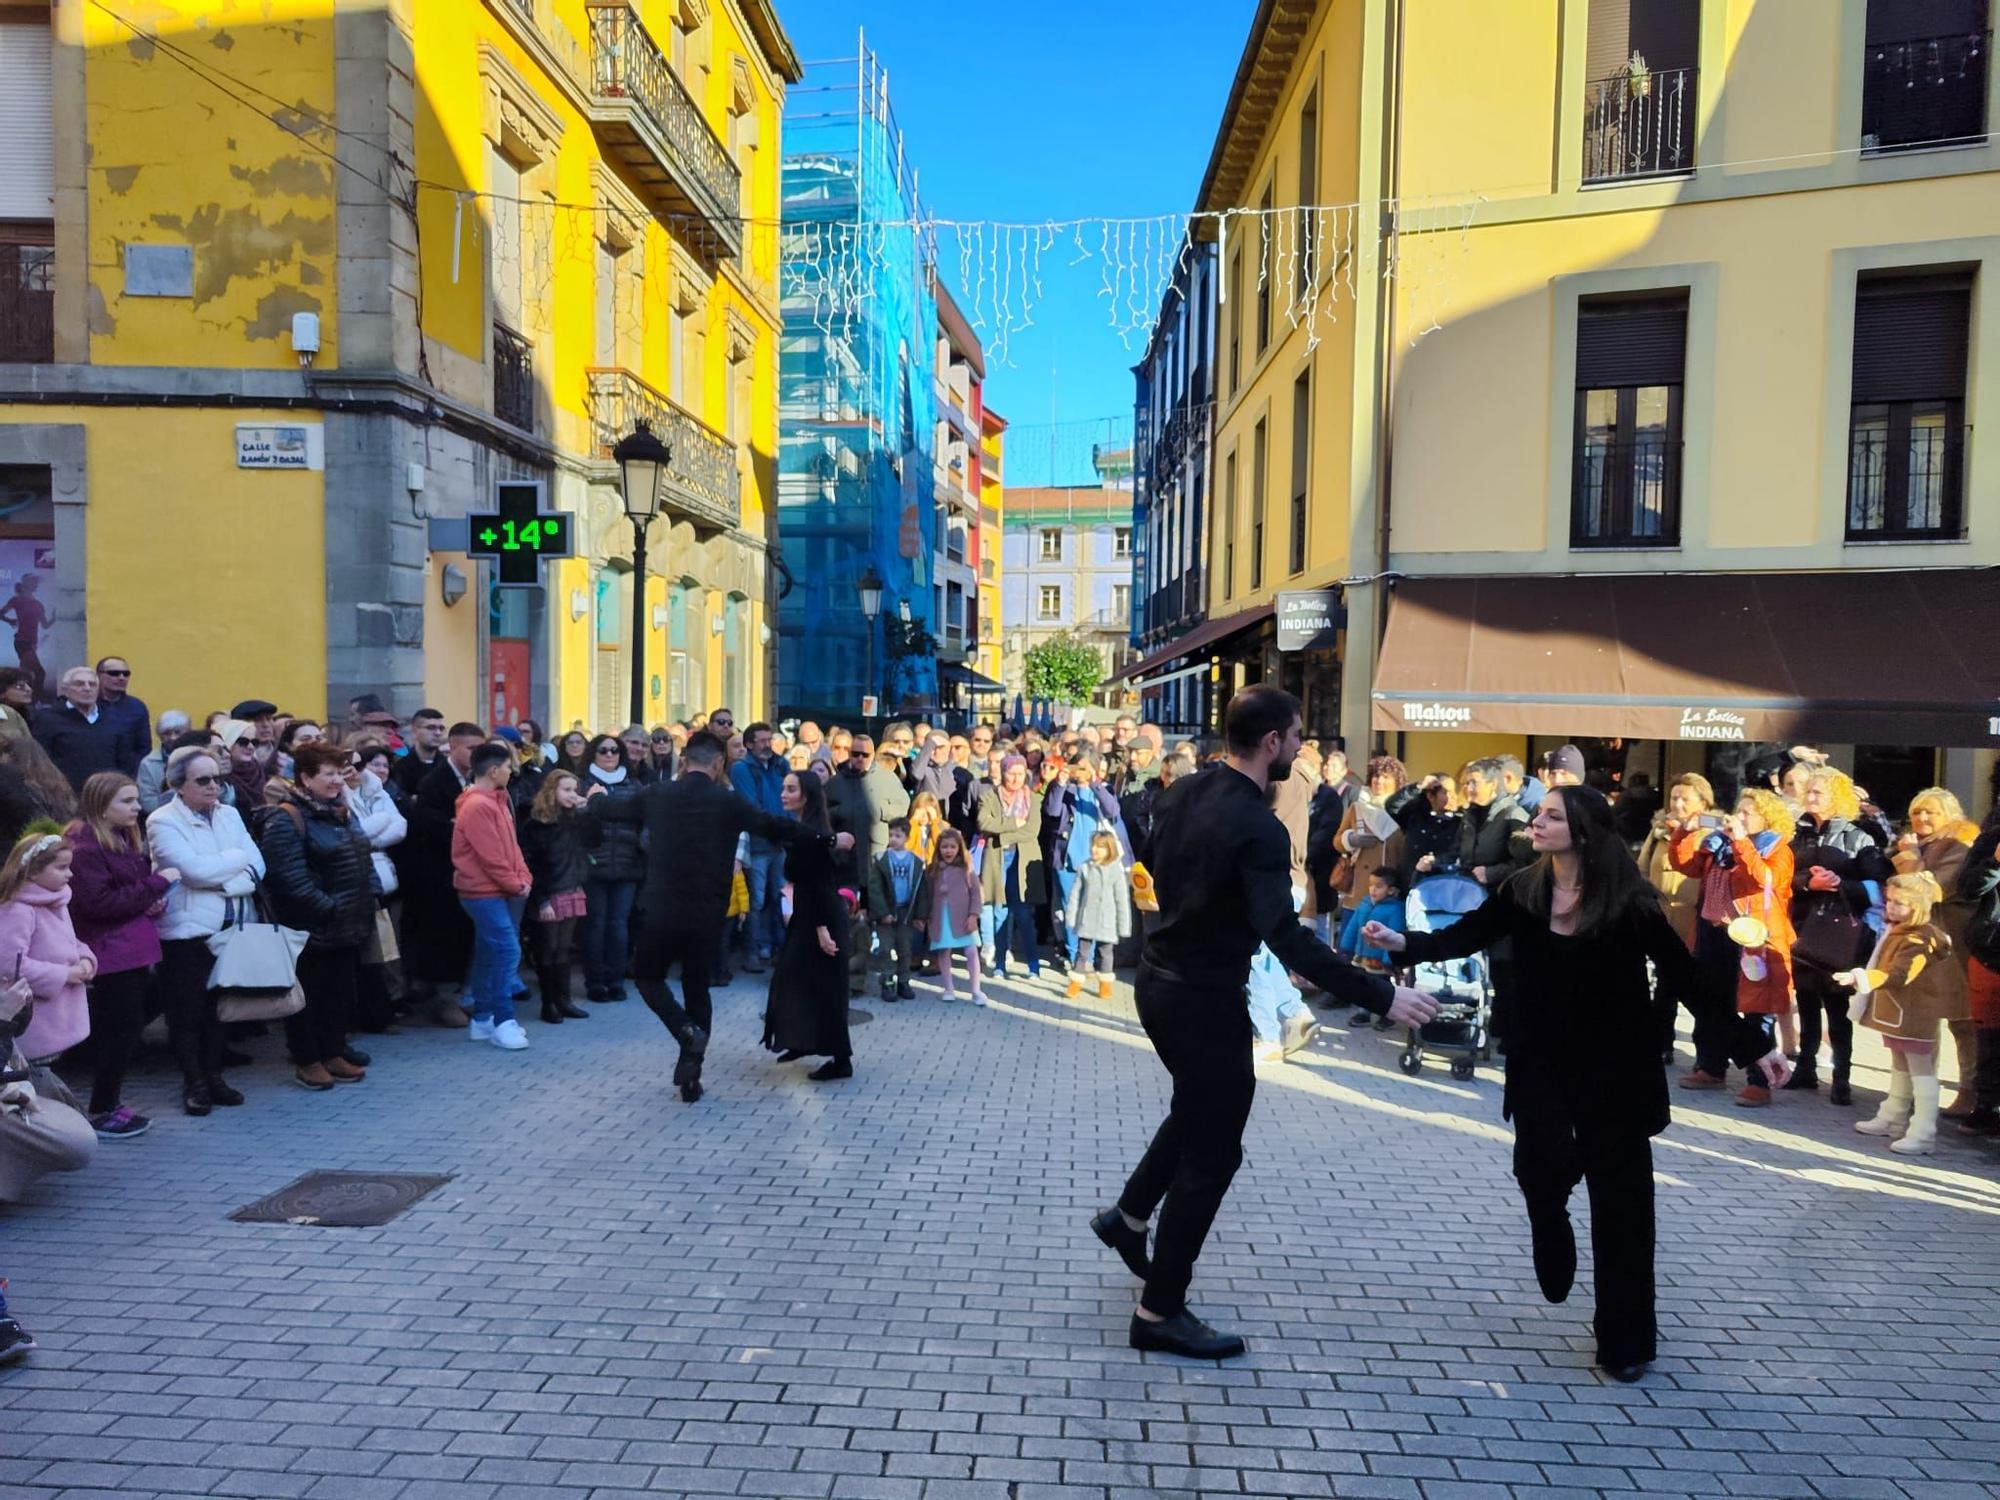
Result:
x=1462 y=987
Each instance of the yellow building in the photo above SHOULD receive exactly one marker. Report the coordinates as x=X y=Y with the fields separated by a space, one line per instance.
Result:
x=1531 y=312
x=317 y=275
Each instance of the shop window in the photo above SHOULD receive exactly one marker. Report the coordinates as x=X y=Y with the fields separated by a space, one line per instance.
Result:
x=1923 y=74
x=1906 y=443
x=1626 y=482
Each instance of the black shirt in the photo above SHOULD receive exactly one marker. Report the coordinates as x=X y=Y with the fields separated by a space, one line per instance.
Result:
x=1222 y=864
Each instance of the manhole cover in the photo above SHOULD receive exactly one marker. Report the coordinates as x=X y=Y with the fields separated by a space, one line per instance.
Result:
x=342 y=1200
x=856 y=1016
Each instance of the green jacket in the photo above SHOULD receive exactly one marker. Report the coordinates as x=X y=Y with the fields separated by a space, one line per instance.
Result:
x=1002 y=833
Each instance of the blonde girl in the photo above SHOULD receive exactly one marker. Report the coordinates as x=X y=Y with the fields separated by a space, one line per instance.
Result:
x=35 y=927
x=1099 y=912
x=926 y=819
x=1912 y=982
x=952 y=920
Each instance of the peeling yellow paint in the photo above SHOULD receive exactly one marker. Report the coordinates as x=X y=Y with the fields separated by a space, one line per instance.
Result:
x=120 y=179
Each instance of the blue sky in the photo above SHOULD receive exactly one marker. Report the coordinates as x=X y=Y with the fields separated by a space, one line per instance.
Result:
x=1037 y=110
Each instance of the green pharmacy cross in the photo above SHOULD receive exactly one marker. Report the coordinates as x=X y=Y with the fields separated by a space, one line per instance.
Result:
x=518 y=533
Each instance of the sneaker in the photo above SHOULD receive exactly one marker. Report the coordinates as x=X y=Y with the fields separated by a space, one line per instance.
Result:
x=15 y=1341
x=979 y=1000
x=479 y=1029
x=119 y=1124
x=509 y=1037
x=313 y=1077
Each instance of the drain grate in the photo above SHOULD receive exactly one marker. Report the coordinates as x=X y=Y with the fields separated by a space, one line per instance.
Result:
x=342 y=1200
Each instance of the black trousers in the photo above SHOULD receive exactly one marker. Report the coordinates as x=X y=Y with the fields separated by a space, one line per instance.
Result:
x=659 y=949
x=193 y=1031
x=1986 y=1072
x=329 y=977
x=1550 y=1158
x=1203 y=1038
x=117 y=1014
x=1817 y=995
x=1713 y=1036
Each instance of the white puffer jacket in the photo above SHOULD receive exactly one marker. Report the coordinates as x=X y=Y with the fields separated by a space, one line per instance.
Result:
x=375 y=813
x=217 y=860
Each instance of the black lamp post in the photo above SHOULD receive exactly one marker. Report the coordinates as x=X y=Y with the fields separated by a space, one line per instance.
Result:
x=870 y=587
x=642 y=470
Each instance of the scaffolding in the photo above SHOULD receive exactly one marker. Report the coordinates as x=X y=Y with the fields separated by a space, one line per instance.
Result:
x=856 y=403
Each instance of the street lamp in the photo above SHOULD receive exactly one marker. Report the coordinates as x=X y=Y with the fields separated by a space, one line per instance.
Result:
x=642 y=470
x=870 y=587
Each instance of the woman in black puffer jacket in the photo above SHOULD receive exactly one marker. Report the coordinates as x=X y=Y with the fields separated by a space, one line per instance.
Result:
x=617 y=865
x=1834 y=862
x=319 y=879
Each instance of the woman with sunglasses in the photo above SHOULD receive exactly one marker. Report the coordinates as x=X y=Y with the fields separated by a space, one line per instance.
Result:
x=218 y=863
x=611 y=885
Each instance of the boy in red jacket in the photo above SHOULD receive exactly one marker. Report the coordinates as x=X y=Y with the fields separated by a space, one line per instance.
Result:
x=492 y=882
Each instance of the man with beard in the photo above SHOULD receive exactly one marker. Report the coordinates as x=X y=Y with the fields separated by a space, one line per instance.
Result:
x=1223 y=874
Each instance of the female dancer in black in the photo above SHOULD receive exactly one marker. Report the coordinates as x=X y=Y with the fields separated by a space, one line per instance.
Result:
x=1585 y=1089
x=806 y=1015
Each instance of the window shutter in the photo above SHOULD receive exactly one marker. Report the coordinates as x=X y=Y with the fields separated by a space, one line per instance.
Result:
x=27 y=126
x=1910 y=338
x=1631 y=342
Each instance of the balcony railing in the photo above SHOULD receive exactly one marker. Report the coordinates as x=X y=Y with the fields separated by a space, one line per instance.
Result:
x=513 y=378
x=704 y=486
x=1626 y=492
x=27 y=304
x=659 y=132
x=1639 y=125
x=1905 y=477
x=1929 y=91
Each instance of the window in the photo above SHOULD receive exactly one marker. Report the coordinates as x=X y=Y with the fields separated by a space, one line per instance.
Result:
x=1639 y=88
x=1048 y=602
x=1229 y=529
x=1301 y=461
x=1923 y=74
x=1305 y=264
x=1906 y=435
x=1626 y=486
x=1257 y=476
x=1121 y=542
x=1121 y=603
x=1050 y=544
x=1264 y=270
x=1236 y=322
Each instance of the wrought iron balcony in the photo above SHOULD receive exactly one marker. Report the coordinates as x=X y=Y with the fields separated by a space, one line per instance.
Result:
x=1905 y=475
x=704 y=485
x=1928 y=91
x=1626 y=492
x=27 y=304
x=513 y=378
x=1639 y=124
x=649 y=120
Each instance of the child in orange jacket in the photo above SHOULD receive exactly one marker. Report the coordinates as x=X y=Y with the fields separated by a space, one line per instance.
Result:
x=492 y=882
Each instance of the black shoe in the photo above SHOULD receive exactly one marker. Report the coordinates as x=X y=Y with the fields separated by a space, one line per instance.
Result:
x=551 y=1016
x=691 y=1091
x=593 y=994
x=1627 y=1374
x=840 y=1067
x=354 y=1057
x=904 y=992
x=1362 y=1018
x=1805 y=1080
x=790 y=1055
x=219 y=1092
x=1555 y=1253
x=693 y=1040
x=15 y=1341
x=1129 y=1243
x=1186 y=1335
x=1985 y=1120
x=196 y=1099
x=569 y=1010
x=1840 y=1093
x=231 y=1058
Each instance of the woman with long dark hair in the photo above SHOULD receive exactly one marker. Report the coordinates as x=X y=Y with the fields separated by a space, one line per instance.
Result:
x=1584 y=1085
x=611 y=884
x=806 y=1015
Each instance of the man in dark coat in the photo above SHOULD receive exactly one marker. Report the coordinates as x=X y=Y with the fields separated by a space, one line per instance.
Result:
x=426 y=745
x=133 y=719
x=692 y=826
x=437 y=935
x=80 y=737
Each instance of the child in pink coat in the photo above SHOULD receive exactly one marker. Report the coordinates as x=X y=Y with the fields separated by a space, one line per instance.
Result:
x=36 y=935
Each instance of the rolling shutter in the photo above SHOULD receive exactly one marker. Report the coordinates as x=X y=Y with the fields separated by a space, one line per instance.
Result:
x=1629 y=342
x=1910 y=338
x=27 y=129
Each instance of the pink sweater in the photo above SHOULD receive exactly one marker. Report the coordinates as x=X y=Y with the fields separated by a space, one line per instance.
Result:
x=36 y=925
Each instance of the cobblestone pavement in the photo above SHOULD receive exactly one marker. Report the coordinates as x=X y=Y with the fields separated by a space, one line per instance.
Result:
x=885 y=1288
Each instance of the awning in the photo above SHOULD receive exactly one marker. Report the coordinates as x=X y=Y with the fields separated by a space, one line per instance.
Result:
x=976 y=682
x=1208 y=633
x=1905 y=658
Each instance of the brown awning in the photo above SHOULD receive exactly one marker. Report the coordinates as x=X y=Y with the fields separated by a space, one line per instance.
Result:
x=1208 y=633
x=1908 y=658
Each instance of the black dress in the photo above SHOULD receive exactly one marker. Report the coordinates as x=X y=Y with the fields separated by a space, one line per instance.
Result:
x=807 y=1009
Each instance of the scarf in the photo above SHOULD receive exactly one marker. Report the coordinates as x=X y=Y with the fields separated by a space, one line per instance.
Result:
x=609 y=778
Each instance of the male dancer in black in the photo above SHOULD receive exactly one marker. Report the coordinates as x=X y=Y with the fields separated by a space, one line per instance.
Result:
x=1222 y=866
x=692 y=825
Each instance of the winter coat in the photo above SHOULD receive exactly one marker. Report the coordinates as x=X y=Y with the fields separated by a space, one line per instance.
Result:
x=762 y=785
x=112 y=895
x=1351 y=838
x=881 y=893
x=1021 y=838
x=1680 y=897
x=1830 y=933
x=1291 y=803
x=36 y=926
x=614 y=849
x=319 y=878
x=381 y=822
x=1495 y=838
x=1751 y=873
x=1925 y=984
x=151 y=778
x=1099 y=909
x=1323 y=820
x=557 y=859
x=82 y=747
x=1062 y=806
x=1427 y=832
x=218 y=862
x=864 y=806
x=1944 y=855
x=951 y=891
x=485 y=852
x=1389 y=913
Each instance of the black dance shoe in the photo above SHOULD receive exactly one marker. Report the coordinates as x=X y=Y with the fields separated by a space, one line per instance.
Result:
x=1186 y=1335
x=1128 y=1243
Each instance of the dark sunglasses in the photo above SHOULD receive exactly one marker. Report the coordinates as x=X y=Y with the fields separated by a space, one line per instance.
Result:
x=609 y=750
x=203 y=780
x=115 y=672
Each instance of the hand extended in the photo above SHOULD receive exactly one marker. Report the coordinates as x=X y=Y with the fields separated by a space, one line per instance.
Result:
x=1410 y=1007
x=826 y=943
x=843 y=842
x=1822 y=879
x=1427 y=863
x=1777 y=1068
x=1375 y=935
